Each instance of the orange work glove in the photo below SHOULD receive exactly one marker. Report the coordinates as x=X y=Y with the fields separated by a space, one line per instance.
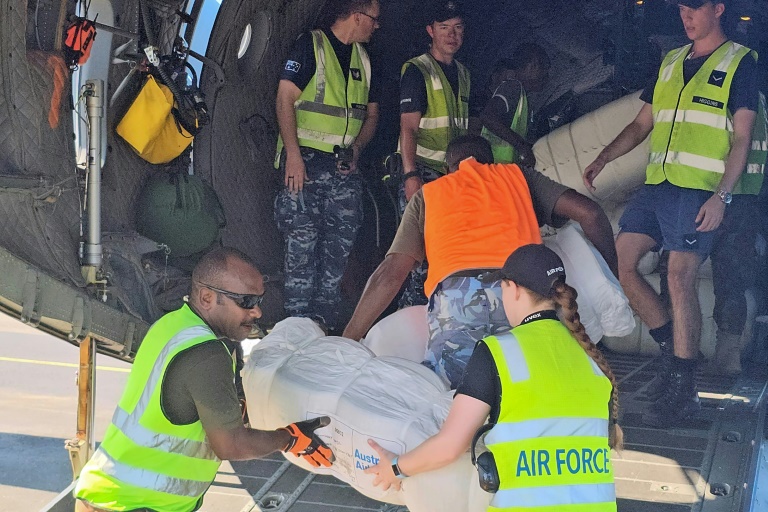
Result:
x=304 y=443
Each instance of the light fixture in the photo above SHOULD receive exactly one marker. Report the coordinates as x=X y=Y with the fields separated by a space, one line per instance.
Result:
x=746 y=18
x=639 y=2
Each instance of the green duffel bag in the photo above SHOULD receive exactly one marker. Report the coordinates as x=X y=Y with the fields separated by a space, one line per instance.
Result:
x=180 y=211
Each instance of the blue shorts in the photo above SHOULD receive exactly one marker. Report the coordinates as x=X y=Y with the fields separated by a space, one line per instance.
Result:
x=667 y=213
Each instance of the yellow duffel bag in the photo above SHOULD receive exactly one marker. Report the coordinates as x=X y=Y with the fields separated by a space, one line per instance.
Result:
x=152 y=124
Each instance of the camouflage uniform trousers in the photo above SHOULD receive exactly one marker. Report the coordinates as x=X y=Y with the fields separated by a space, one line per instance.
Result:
x=413 y=294
x=461 y=312
x=319 y=225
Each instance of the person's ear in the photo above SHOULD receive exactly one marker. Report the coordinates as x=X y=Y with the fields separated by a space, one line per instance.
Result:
x=206 y=298
x=719 y=9
x=430 y=31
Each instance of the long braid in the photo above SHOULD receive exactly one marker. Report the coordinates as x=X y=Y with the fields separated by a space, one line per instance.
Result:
x=565 y=297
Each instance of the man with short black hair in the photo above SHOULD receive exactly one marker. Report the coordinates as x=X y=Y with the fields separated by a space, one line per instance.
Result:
x=505 y=116
x=700 y=114
x=179 y=415
x=327 y=109
x=503 y=208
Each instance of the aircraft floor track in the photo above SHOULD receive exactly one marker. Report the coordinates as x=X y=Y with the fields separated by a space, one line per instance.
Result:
x=670 y=470
x=677 y=469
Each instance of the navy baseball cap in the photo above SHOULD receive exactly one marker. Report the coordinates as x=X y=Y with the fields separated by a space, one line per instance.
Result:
x=695 y=4
x=532 y=266
x=443 y=10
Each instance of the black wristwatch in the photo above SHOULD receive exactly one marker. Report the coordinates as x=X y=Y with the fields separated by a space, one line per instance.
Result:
x=412 y=174
x=396 y=470
x=725 y=197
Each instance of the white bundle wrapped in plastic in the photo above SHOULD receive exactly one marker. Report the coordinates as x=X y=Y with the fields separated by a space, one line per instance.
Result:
x=603 y=307
x=296 y=373
x=404 y=333
x=567 y=151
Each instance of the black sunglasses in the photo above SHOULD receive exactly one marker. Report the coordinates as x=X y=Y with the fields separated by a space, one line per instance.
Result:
x=244 y=300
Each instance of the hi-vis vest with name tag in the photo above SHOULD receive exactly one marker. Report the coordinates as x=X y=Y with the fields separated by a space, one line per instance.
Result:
x=551 y=440
x=503 y=151
x=447 y=116
x=145 y=460
x=692 y=126
x=331 y=110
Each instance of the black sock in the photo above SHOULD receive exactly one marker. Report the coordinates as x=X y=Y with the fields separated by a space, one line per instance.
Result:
x=684 y=366
x=662 y=335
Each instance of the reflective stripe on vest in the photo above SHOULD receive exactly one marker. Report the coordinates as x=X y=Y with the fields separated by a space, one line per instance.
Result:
x=130 y=427
x=331 y=109
x=474 y=218
x=692 y=126
x=153 y=462
x=503 y=151
x=555 y=496
x=752 y=180
x=446 y=117
x=550 y=452
x=139 y=477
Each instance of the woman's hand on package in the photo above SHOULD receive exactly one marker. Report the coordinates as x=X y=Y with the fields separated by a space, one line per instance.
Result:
x=384 y=476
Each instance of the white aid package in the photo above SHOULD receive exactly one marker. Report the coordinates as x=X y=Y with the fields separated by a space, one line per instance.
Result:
x=603 y=307
x=295 y=373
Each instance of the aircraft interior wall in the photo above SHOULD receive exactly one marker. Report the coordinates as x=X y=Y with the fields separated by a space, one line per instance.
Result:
x=598 y=50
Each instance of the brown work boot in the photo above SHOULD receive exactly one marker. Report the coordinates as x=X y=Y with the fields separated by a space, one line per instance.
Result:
x=727 y=358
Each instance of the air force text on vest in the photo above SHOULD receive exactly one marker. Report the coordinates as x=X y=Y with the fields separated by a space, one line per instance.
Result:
x=363 y=461
x=560 y=461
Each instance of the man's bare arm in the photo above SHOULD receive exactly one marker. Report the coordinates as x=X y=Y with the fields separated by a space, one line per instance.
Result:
x=382 y=287
x=287 y=95
x=593 y=221
x=366 y=132
x=711 y=213
x=629 y=138
x=522 y=146
x=409 y=126
x=241 y=443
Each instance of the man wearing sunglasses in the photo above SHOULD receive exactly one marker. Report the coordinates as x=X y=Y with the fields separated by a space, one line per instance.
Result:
x=179 y=415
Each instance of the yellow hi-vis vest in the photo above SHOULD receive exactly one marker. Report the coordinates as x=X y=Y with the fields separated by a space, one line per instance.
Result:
x=551 y=439
x=145 y=460
x=446 y=117
x=692 y=127
x=503 y=151
x=758 y=154
x=331 y=109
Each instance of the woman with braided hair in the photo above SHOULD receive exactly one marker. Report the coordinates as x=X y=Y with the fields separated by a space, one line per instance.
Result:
x=549 y=395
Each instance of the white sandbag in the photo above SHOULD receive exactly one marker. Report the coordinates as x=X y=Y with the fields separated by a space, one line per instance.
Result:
x=603 y=307
x=404 y=333
x=564 y=153
x=296 y=373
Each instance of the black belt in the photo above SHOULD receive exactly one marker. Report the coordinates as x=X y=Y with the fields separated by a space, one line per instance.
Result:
x=477 y=273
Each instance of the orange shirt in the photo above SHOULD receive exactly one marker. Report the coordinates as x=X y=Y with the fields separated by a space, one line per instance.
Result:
x=475 y=218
